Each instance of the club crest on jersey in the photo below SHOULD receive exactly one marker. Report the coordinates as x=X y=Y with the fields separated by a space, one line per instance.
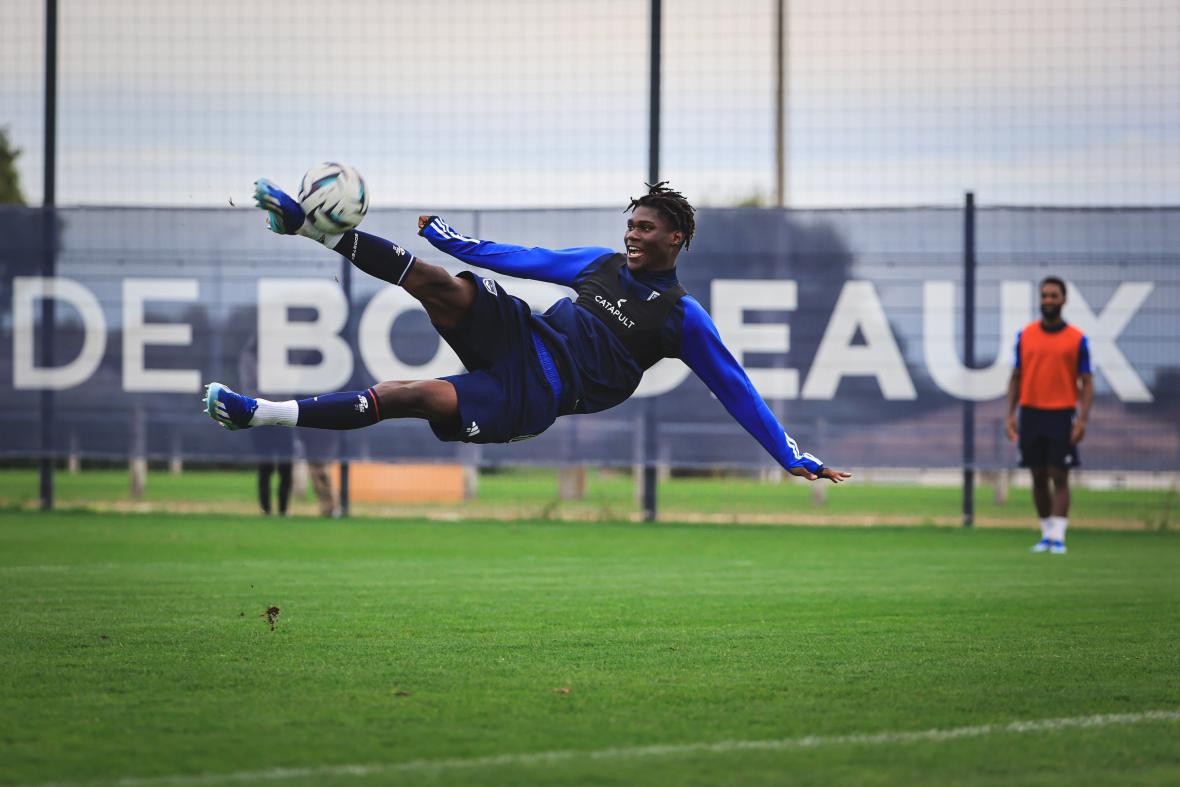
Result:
x=490 y=286
x=615 y=309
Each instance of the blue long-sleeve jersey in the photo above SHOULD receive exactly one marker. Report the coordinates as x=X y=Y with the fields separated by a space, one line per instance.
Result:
x=600 y=368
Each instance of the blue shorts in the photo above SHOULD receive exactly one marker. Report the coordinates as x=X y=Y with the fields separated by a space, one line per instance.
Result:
x=511 y=389
x=1045 y=438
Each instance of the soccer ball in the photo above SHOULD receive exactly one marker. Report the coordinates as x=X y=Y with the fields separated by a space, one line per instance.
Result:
x=334 y=197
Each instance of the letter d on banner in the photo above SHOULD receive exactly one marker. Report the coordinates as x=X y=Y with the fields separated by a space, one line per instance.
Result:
x=277 y=334
x=26 y=291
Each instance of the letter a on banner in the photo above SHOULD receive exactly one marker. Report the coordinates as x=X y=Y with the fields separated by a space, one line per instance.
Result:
x=837 y=357
x=939 y=315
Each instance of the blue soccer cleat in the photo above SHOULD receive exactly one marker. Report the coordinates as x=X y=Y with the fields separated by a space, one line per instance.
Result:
x=284 y=215
x=1057 y=548
x=231 y=410
x=1041 y=546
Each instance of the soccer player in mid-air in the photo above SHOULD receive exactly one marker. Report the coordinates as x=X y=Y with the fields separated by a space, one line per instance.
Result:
x=524 y=370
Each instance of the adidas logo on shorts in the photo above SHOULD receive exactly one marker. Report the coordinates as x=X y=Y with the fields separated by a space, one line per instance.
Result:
x=473 y=430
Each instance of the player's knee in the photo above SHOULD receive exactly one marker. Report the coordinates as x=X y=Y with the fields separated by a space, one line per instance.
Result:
x=432 y=284
x=416 y=399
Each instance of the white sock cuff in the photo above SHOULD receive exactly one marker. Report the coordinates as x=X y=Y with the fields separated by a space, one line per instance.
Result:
x=1046 y=527
x=1060 y=523
x=276 y=413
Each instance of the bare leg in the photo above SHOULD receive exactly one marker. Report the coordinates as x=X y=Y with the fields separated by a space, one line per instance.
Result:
x=1061 y=495
x=284 y=471
x=434 y=400
x=264 y=471
x=446 y=298
x=323 y=487
x=1042 y=498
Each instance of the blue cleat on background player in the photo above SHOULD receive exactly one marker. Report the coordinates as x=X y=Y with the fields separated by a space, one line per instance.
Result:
x=231 y=410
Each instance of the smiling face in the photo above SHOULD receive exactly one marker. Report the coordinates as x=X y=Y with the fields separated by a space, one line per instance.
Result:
x=650 y=240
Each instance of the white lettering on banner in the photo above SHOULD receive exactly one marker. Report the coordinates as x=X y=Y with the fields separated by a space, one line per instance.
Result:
x=373 y=340
x=277 y=334
x=730 y=299
x=26 y=292
x=137 y=334
x=858 y=307
x=665 y=376
x=1103 y=331
x=940 y=320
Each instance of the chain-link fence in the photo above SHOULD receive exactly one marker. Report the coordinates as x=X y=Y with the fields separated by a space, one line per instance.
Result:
x=461 y=103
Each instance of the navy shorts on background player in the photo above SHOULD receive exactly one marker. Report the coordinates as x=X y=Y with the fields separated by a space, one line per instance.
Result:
x=505 y=394
x=1045 y=438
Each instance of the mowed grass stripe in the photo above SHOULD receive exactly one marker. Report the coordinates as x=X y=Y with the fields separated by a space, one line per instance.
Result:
x=720 y=747
x=134 y=645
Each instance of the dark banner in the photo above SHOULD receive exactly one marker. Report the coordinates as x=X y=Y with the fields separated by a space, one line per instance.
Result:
x=849 y=323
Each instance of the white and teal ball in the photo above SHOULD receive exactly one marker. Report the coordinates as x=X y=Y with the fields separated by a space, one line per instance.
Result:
x=334 y=197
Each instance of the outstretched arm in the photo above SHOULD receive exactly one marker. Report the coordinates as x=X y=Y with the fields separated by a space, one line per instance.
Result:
x=562 y=266
x=705 y=353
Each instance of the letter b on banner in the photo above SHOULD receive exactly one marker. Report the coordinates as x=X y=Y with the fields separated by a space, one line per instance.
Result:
x=278 y=334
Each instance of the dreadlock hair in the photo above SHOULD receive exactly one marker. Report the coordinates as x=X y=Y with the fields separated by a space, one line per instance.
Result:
x=672 y=204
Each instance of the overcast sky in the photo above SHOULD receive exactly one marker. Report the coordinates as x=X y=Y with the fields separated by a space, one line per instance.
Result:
x=534 y=103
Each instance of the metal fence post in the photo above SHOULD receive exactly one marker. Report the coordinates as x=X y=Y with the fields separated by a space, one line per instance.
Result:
x=969 y=358
x=650 y=477
x=49 y=251
x=346 y=285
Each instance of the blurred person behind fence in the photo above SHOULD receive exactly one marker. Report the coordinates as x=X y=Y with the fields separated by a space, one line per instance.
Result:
x=273 y=448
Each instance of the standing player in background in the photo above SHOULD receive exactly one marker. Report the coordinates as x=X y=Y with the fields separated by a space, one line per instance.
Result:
x=1052 y=362
x=524 y=370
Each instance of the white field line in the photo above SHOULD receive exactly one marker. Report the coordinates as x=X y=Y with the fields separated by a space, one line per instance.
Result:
x=633 y=752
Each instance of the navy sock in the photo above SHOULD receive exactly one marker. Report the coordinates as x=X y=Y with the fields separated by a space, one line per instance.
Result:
x=343 y=410
x=376 y=256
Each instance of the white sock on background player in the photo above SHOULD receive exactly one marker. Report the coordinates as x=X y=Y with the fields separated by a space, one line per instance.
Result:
x=1060 y=523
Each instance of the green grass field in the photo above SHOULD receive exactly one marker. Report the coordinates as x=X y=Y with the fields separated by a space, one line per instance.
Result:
x=134 y=652
x=532 y=494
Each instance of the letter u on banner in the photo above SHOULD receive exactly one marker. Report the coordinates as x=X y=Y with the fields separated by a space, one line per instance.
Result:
x=940 y=320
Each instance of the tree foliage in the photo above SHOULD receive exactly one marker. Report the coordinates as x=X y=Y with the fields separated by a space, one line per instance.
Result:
x=10 y=192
